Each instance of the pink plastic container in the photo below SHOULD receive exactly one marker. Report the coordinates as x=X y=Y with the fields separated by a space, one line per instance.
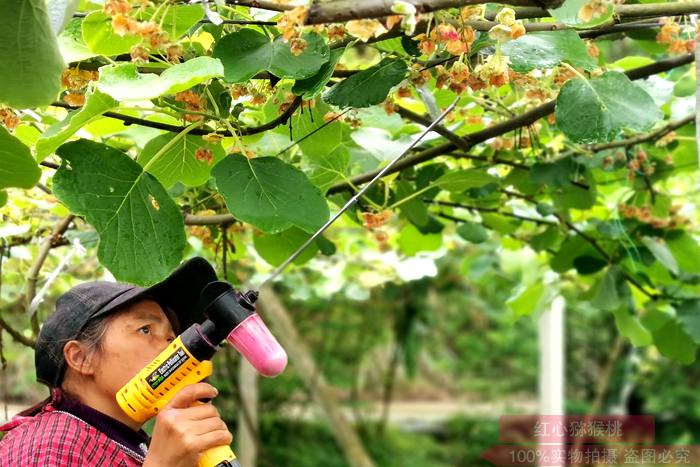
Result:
x=257 y=344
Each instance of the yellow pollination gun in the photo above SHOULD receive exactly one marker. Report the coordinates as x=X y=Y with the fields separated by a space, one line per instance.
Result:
x=231 y=316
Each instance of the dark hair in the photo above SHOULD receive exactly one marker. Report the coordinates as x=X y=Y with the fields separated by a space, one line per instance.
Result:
x=91 y=336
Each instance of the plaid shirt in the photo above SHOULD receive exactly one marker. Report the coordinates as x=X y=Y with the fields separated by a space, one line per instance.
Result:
x=58 y=438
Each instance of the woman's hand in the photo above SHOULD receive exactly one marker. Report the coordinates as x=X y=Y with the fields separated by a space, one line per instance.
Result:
x=183 y=430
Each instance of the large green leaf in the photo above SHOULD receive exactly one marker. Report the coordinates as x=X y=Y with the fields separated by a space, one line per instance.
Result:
x=181 y=162
x=124 y=82
x=413 y=208
x=472 y=232
x=71 y=43
x=100 y=38
x=270 y=194
x=673 y=342
x=276 y=248
x=247 y=52
x=596 y=110
x=141 y=229
x=612 y=292
x=310 y=87
x=688 y=313
x=17 y=166
x=96 y=104
x=630 y=327
x=686 y=251
x=412 y=241
x=330 y=168
x=177 y=20
x=546 y=49
x=528 y=300
x=460 y=180
x=30 y=62
x=367 y=87
x=326 y=138
x=568 y=13
x=661 y=252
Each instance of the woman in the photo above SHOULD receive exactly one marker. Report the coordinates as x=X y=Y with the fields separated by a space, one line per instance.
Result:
x=99 y=337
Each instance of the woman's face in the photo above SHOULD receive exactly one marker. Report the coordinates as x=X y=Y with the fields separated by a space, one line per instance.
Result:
x=132 y=339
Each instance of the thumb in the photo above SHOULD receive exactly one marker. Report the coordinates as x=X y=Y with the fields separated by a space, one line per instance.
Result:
x=191 y=394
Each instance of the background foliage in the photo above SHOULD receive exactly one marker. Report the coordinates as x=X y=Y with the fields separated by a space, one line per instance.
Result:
x=143 y=132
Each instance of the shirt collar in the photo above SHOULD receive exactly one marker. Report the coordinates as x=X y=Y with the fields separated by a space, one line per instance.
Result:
x=118 y=431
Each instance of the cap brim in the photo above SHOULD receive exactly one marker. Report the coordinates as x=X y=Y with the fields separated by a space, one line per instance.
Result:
x=179 y=292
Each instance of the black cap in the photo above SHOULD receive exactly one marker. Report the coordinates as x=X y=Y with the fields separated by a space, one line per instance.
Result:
x=179 y=292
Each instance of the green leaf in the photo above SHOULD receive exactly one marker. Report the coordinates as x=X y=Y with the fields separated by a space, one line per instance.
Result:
x=596 y=110
x=243 y=53
x=527 y=300
x=101 y=39
x=673 y=342
x=367 y=87
x=498 y=223
x=414 y=209
x=124 y=82
x=247 y=52
x=284 y=64
x=276 y=248
x=71 y=43
x=686 y=251
x=661 y=252
x=310 y=87
x=547 y=49
x=472 y=232
x=177 y=20
x=30 y=62
x=179 y=163
x=270 y=194
x=572 y=247
x=17 y=166
x=612 y=292
x=575 y=196
x=96 y=104
x=546 y=239
x=380 y=143
x=141 y=229
x=461 y=180
x=589 y=264
x=3 y=198
x=568 y=14
x=330 y=168
x=629 y=326
x=412 y=241
x=324 y=140
x=688 y=313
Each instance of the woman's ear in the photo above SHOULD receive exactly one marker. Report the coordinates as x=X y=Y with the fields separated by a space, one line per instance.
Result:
x=78 y=358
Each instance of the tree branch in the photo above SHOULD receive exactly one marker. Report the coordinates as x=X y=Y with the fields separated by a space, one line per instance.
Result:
x=33 y=274
x=485 y=209
x=262 y=4
x=129 y=120
x=215 y=219
x=644 y=10
x=15 y=334
x=343 y=10
x=652 y=136
x=501 y=128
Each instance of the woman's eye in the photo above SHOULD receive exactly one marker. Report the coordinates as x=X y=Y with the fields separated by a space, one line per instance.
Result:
x=145 y=329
